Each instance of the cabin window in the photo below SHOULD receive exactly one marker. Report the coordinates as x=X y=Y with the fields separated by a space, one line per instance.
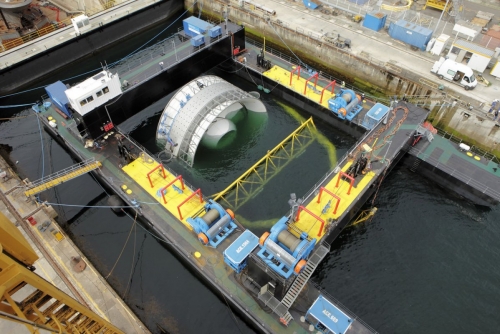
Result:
x=99 y=93
x=90 y=98
x=472 y=78
x=451 y=72
x=455 y=50
x=79 y=24
x=83 y=102
x=105 y=90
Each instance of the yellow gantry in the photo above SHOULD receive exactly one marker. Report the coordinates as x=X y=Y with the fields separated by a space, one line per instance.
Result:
x=28 y=299
x=253 y=180
x=326 y=208
x=62 y=176
x=173 y=195
x=314 y=92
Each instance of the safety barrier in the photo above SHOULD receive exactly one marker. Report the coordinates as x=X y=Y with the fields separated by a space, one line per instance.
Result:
x=455 y=173
x=12 y=43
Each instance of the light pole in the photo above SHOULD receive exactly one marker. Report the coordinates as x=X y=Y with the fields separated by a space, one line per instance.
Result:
x=441 y=16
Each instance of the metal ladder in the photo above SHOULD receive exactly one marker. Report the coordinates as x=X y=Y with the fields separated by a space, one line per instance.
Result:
x=301 y=280
x=415 y=164
x=61 y=176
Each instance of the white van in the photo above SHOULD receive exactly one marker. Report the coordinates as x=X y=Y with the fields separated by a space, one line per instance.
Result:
x=457 y=73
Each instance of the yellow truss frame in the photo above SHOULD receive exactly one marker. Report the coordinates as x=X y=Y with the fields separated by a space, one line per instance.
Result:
x=253 y=180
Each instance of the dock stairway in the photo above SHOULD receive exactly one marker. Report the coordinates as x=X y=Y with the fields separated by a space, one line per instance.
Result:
x=301 y=280
x=61 y=176
x=281 y=308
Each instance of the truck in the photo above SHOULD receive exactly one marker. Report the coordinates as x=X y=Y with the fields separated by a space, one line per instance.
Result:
x=457 y=73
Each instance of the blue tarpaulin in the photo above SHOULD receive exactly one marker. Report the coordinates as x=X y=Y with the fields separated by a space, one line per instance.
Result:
x=56 y=94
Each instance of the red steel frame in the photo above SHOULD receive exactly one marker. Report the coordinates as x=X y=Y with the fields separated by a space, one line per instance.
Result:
x=315 y=81
x=152 y=171
x=187 y=199
x=349 y=177
x=330 y=84
x=293 y=71
x=162 y=190
x=301 y=208
x=332 y=194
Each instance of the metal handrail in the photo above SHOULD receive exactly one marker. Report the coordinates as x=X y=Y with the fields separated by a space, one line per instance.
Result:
x=293 y=61
x=455 y=173
x=312 y=191
x=62 y=172
x=474 y=149
x=54 y=27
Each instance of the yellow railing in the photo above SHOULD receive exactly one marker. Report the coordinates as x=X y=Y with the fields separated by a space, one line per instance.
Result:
x=253 y=180
x=51 y=27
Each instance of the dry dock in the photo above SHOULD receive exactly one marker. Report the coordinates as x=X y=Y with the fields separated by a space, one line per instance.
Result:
x=55 y=264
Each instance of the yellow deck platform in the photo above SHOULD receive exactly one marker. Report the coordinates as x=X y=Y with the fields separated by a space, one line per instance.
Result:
x=311 y=225
x=282 y=76
x=139 y=169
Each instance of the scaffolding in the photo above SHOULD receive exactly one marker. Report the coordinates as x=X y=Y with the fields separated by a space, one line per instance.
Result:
x=253 y=180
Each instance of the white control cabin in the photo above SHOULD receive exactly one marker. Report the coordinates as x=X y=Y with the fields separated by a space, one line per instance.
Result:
x=94 y=92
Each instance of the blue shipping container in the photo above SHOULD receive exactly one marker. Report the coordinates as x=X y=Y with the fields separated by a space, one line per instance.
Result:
x=56 y=93
x=198 y=40
x=194 y=26
x=214 y=32
x=374 y=20
x=410 y=33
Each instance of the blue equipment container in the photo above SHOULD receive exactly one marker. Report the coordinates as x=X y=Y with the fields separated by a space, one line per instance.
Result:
x=56 y=93
x=194 y=26
x=215 y=225
x=237 y=253
x=198 y=40
x=214 y=32
x=310 y=4
x=374 y=115
x=374 y=20
x=284 y=252
x=410 y=33
x=328 y=318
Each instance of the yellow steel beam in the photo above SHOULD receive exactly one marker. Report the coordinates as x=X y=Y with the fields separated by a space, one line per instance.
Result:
x=364 y=216
x=52 y=182
x=14 y=242
x=13 y=275
x=265 y=157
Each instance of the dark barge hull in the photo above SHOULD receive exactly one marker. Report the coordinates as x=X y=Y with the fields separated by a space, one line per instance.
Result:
x=36 y=67
x=349 y=128
x=448 y=181
x=139 y=96
x=170 y=244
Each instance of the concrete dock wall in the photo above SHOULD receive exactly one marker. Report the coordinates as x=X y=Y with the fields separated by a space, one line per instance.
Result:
x=378 y=77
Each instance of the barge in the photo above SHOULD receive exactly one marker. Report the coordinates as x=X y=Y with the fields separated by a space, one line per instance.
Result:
x=266 y=278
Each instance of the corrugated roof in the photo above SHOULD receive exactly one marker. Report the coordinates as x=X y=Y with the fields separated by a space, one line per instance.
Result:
x=473 y=47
